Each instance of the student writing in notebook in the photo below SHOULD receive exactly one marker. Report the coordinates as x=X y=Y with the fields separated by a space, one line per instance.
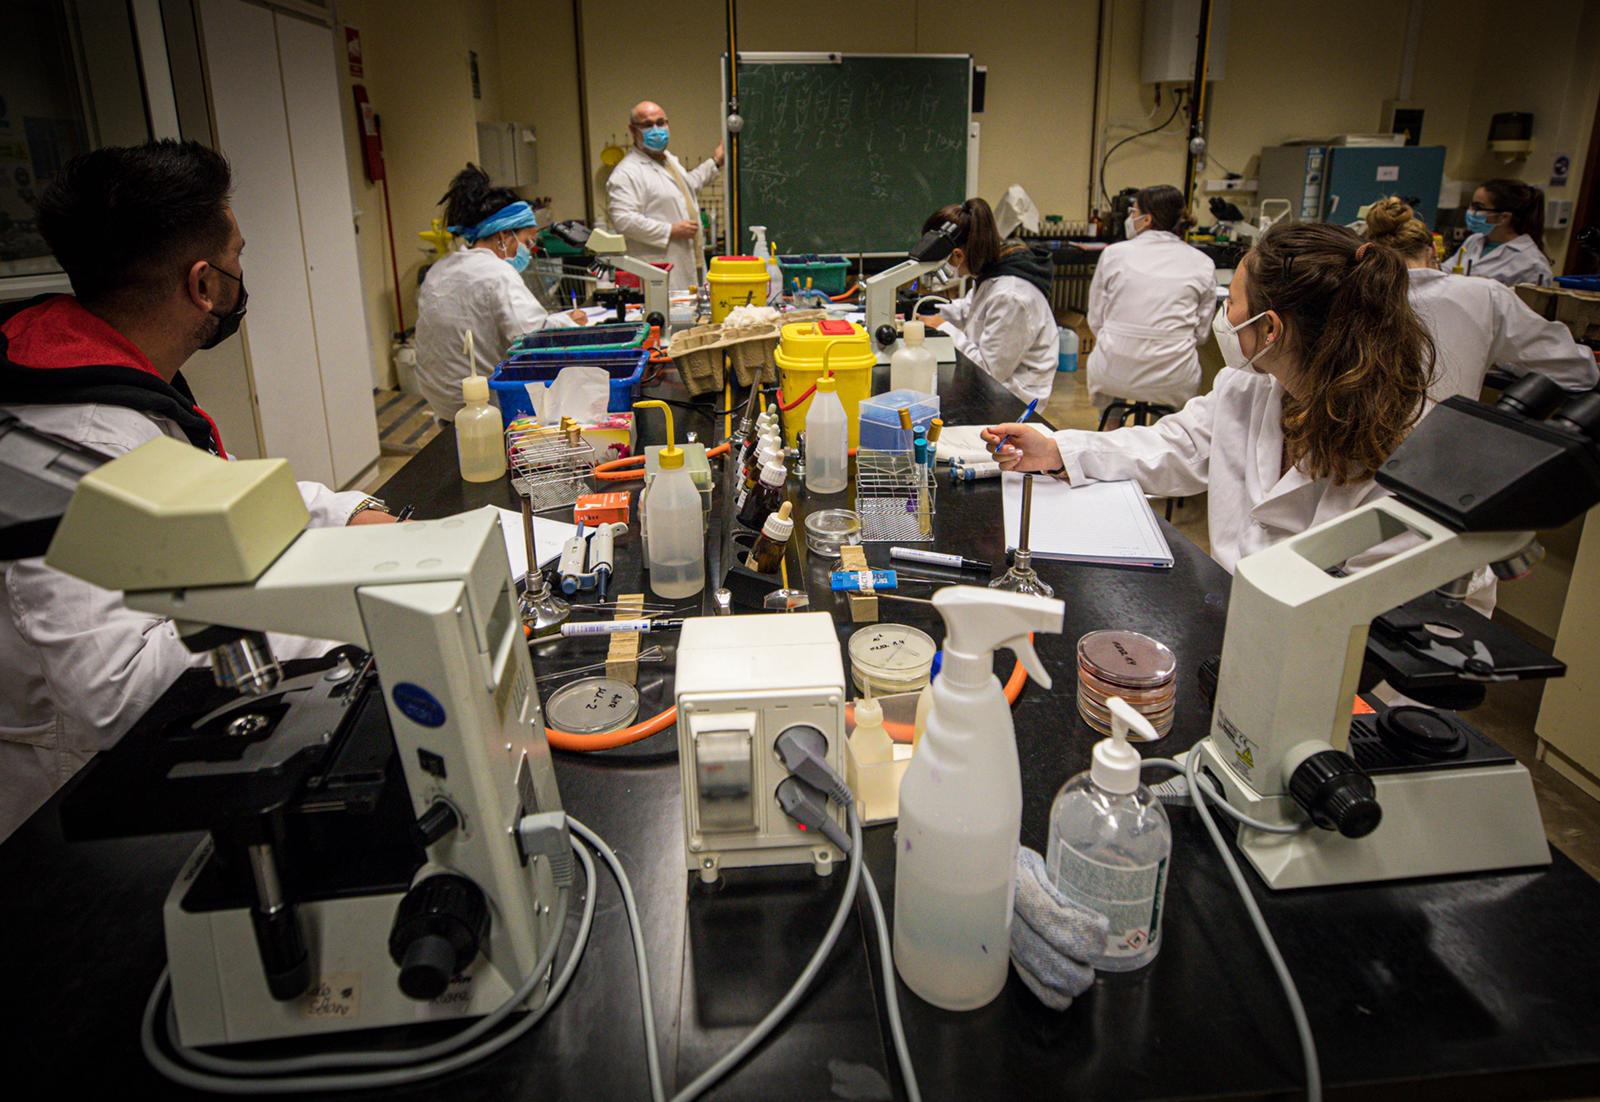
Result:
x=1327 y=369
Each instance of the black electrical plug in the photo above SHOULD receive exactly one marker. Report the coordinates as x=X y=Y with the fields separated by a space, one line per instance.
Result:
x=809 y=807
x=804 y=752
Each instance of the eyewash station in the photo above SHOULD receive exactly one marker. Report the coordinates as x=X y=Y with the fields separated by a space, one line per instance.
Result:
x=724 y=725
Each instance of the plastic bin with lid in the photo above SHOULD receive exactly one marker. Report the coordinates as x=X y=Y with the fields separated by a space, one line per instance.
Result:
x=880 y=418
x=736 y=281
x=611 y=337
x=828 y=274
x=510 y=380
x=800 y=358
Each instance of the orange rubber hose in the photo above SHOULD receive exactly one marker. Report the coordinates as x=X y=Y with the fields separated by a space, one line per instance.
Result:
x=564 y=740
x=854 y=287
x=612 y=470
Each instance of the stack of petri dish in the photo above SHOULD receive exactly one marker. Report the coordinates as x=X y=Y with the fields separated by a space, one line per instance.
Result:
x=1139 y=669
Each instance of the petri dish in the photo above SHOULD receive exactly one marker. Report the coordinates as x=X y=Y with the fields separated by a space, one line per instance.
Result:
x=890 y=658
x=827 y=530
x=1126 y=659
x=592 y=706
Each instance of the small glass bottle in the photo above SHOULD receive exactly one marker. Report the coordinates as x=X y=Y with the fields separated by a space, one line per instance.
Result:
x=768 y=494
x=1110 y=845
x=768 y=551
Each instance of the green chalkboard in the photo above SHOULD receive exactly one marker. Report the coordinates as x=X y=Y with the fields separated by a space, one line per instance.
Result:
x=849 y=153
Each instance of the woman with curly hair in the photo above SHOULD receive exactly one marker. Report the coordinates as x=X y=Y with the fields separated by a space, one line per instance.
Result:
x=1328 y=368
x=477 y=288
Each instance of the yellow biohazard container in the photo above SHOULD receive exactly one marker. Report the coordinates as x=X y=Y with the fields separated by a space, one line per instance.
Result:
x=800 y=356
x=736 y=281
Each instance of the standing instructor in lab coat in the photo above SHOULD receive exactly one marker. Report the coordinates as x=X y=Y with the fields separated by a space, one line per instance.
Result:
x=653 y=198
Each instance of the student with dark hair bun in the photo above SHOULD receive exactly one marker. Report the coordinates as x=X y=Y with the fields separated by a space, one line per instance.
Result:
x=477 y=288
x=1476 y=323
x=1506 y=218
x=1005 y=324
x=1150 y=306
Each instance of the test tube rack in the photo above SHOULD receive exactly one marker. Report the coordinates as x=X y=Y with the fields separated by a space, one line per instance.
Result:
x=894 y=497
x=556 y=464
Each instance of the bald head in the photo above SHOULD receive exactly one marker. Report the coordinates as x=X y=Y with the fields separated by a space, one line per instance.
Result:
x=646 y=114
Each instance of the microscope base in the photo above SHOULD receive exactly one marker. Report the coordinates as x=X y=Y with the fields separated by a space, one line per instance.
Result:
x=220 y=993
x=1436 y=822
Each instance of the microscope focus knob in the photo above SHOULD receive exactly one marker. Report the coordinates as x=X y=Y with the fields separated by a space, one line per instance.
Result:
x=437 y=931
x=1337 y=794
x=886 y=335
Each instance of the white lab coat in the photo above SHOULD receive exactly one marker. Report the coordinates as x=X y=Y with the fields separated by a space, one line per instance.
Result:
x=1150 y=307
x=1516 y=261
x=1478 y=323
x=77 y=666
x=1005 y=326
x=472 y=289
x=1228 y=444
x=644 y=201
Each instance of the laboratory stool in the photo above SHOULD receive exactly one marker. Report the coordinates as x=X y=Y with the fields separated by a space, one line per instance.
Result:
x=1120 y=410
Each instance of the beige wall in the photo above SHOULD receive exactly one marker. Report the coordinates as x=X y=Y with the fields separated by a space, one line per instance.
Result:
x=1293 y=70
x=541 y=87
x=418 y=78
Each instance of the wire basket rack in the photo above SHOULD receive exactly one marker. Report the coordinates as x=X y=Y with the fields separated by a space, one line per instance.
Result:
x=894 y=497
x=557 y=464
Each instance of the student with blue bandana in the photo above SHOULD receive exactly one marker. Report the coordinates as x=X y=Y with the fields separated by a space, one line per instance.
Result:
x=653 y=199
x=477 y=287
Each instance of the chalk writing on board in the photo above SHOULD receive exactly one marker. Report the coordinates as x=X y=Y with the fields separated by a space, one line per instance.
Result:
x=851 y=156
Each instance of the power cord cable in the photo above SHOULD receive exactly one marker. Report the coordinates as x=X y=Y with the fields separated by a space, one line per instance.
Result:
x=1207 y=794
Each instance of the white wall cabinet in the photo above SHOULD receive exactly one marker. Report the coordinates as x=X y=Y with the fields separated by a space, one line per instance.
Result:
x=276 y=106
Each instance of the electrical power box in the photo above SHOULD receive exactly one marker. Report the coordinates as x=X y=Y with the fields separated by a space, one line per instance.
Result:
x=742 y=681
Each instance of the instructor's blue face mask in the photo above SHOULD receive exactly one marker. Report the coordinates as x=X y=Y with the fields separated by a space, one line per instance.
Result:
x=1478 y=222
x=655 y=138
x=519 y=263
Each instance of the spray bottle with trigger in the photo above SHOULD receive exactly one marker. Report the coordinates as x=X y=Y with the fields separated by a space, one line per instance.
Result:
x=961 y=805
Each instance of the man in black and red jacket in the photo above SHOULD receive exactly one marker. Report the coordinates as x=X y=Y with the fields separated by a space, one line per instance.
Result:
x=153 y=251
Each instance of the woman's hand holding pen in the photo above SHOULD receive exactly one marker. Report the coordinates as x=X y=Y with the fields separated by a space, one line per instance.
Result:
x=1019 y=447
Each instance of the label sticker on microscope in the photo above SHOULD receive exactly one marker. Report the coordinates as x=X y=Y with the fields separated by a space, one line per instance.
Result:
x=1244 y=750
x=336 y=996
x=418 y=704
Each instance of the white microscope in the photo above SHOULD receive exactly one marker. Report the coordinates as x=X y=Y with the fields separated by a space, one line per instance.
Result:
x=351 y=877
x=1470 y=485
x=657 y=300
x=882 y=291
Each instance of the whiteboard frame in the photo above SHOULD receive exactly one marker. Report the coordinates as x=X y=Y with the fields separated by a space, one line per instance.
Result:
x=828 y=57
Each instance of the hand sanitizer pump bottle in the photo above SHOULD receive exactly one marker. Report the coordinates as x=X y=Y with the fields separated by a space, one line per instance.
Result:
x=961 y=805
x=1110 y=843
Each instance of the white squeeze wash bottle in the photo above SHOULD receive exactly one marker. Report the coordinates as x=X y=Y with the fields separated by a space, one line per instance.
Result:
x=961 y=805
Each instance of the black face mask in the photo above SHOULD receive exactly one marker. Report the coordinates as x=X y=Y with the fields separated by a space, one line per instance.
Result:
x=228 y=324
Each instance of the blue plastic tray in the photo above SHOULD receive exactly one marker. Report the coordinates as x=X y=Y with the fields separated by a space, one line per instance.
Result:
x=509 y=379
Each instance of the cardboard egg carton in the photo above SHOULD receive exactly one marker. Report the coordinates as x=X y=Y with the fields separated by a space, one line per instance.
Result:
x=698 y=352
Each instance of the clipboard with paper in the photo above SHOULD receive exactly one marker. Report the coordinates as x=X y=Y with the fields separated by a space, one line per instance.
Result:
x=1107 y=523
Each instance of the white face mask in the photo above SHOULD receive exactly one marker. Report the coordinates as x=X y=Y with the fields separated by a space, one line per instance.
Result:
x=1130 y=228
x=1228 y=339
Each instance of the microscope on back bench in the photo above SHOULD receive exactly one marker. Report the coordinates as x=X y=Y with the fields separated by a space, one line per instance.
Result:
x=882 y=293
x=1407 y=792
x=383 y=846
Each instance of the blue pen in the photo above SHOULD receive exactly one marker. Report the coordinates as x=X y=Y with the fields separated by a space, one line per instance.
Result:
x=1027 y=413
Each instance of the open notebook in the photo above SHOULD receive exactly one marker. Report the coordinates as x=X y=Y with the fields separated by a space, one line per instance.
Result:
x=1102 y=522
